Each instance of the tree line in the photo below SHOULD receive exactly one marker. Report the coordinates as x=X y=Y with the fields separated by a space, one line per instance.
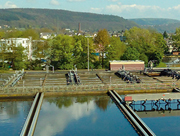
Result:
x=67 y=52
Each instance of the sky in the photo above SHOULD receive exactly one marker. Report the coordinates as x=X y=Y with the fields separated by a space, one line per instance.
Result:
x=123 y=8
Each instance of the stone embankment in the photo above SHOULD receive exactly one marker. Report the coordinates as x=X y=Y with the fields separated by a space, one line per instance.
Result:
x=93 y=82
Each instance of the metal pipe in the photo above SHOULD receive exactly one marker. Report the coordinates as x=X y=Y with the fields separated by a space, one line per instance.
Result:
x=16 y=80
x=139 y=120
x=129 y=115
x=33 y=124
x=25 y=127
x=121 y=100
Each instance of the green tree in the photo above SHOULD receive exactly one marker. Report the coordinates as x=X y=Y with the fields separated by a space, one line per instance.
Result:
x=17 y=56
x=62 y=51
x=144 y=58
x=131 y=53
x=160 y=44
x=4 y=55
x=13 y=34
x=102 y=42
x=48 y=51
x=165 y=35
x=20 y=60
x=39 y=49
x=146 y=42
x=115 y=50
x=2 y=34
x=80 y=51
x=139 y=38
x=77 y=53
x=30 y=33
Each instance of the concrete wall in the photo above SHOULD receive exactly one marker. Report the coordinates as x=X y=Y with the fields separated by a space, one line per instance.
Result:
x=128 y=65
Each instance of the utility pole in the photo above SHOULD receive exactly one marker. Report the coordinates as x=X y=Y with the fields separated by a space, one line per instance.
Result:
x=88 y=52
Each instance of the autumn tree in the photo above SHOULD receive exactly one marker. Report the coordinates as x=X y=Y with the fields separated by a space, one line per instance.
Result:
x=102 y=42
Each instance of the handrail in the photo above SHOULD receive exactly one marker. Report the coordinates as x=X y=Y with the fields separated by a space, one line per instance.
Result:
x=31 y=120
x=33 y=124
x=141 y=130
x=140 y=125
x=29 y=117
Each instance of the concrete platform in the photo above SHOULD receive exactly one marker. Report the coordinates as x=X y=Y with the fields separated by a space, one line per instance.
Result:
x=157 y=96
x=32 y=82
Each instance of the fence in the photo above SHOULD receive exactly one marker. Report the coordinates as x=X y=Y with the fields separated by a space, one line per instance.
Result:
x=103 y=87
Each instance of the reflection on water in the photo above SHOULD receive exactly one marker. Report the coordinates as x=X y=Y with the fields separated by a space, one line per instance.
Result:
x=155 y=105
x=81 y=115
x=163 y=119
x=12 y=116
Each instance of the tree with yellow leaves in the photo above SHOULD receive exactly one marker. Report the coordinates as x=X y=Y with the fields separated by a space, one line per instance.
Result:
x=102 y=42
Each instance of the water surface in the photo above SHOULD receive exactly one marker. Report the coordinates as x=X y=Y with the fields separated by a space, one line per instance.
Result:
x=164 y=120
x=81 y=115
x=13 y=114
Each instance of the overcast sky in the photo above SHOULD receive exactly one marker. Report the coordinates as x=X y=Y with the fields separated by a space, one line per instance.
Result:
x=123 y=8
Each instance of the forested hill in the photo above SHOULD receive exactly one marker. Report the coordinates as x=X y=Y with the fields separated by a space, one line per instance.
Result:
x=50 y=18
x=160 y=24
x=154 y=21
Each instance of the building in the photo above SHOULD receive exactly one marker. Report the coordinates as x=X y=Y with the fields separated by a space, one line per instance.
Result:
x=25 y=42
x=126 y=64
x=176 y=53
x=47 y=35
x=170 y=45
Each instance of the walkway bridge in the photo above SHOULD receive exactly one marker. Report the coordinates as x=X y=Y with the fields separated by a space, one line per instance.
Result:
x=31 y=120
x=133 y=118
x=154 y=105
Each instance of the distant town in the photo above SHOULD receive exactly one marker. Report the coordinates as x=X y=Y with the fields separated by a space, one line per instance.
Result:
x=33 y=49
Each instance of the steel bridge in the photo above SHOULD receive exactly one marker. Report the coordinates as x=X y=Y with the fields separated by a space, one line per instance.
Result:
x=140 y=127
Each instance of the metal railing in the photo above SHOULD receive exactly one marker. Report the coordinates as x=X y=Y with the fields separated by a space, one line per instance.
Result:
x=102 y=87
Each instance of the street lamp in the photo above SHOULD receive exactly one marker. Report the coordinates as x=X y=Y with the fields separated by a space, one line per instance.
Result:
x=110 y=80
x=88 y=52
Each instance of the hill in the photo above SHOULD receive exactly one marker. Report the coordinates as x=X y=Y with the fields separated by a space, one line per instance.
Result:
x=160 y=24
x=53 y=19
x=154 y=21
